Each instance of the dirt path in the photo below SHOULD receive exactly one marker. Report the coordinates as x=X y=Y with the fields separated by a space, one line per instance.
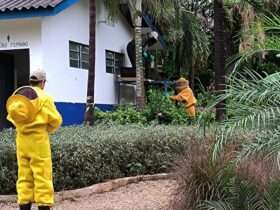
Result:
x=148 y=195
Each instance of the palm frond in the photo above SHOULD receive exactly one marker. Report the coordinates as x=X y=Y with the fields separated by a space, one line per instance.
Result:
x=253 y=103
x=266 y=144
x=113 y=8
x=216 y=205
x=271 y=43
x=271 y=23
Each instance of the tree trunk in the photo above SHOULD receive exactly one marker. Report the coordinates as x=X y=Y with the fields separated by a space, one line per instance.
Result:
x=219 y=31
x=191 y=61
x=177 y=60
x=89 y=115
x=191 y=77
x=136 y=6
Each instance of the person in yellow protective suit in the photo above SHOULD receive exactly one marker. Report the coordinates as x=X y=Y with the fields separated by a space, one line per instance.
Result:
x=34 y=115
x=185 y=96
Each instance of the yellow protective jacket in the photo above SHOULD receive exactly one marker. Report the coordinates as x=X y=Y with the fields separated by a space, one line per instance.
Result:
x=186 y=96
x=34 y=153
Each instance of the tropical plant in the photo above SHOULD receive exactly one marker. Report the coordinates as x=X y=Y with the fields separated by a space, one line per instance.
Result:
x=253 y=101
x=162 y=109
x=158 y=110
x=136 y=12
x=244 y=195
x=122 y=115
x=182 y=23
x=186 y=28
x=240 y=17
x=219 y=33
x=271 y=26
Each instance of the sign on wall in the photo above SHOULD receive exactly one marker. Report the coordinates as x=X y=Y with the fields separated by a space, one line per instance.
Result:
x=9 y=44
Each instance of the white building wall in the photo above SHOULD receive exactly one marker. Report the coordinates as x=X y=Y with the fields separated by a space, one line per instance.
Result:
x=64 y=83
x=68 y=84
x=48 y=38
x=24 y=34
x=114 y=37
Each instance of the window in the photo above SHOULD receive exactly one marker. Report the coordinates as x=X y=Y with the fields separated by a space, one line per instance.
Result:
x=114 y=61
x=79 y=55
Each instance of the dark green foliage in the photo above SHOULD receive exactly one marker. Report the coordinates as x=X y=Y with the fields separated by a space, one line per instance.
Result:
x=8 y=162
x=268 y=68
x=159 y=108
x=122 y=115
x=83 y=156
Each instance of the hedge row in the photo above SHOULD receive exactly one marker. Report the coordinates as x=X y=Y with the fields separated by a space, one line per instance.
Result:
x=83 y=156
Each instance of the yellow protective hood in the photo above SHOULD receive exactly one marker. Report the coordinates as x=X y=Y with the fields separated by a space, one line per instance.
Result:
x=182 y=84
x=21 y=107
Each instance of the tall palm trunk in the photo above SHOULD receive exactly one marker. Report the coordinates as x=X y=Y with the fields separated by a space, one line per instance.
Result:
x=219 y=31
x=89 y=115
x=140 y=89
x=136 y=11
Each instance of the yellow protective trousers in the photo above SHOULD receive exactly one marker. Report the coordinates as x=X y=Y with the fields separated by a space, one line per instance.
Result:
x=34 y=170
x=191 y=110
x=34 y=182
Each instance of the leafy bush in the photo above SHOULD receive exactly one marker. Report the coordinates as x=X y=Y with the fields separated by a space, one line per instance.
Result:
x=8 y=162
x=159 y=108
x=86 y=155
x=170 y=113
x=269 y=68
x=249 y=181
x=122 y=115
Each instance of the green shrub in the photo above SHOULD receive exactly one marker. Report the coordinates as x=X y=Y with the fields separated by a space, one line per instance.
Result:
x=159 y=108
x=122 y=115
x=269 y=68
x=83 y=156
x=8 y=162
x=171 y=113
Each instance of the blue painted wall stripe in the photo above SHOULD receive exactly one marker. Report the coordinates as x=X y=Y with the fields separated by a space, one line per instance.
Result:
x=105 y=107
x=73 y=113
x=40 y=12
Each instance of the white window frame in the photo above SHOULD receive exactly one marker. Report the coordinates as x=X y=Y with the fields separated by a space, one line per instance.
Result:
x=81 y=60
x=115 y=68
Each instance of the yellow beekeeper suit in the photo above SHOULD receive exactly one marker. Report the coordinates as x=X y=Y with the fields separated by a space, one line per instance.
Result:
x=34 y=119
x=185 y=95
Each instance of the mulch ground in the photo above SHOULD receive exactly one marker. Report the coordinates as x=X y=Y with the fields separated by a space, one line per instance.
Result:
x=146 y=195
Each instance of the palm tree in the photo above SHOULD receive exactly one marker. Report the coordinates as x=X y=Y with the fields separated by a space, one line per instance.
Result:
x=177 y=19
x=219 y=33
x=253 y=100
x=135 y=7
x=185 y=26
x=136 y=13
x=89 y=115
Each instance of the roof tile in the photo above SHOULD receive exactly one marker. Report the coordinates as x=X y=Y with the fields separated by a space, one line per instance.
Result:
x=10 y=5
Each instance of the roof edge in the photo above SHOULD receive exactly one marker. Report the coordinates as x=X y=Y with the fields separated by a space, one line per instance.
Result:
x=37 y=12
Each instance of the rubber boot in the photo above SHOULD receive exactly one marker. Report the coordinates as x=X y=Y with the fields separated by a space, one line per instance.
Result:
x=44 y=208
x=25 y=206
